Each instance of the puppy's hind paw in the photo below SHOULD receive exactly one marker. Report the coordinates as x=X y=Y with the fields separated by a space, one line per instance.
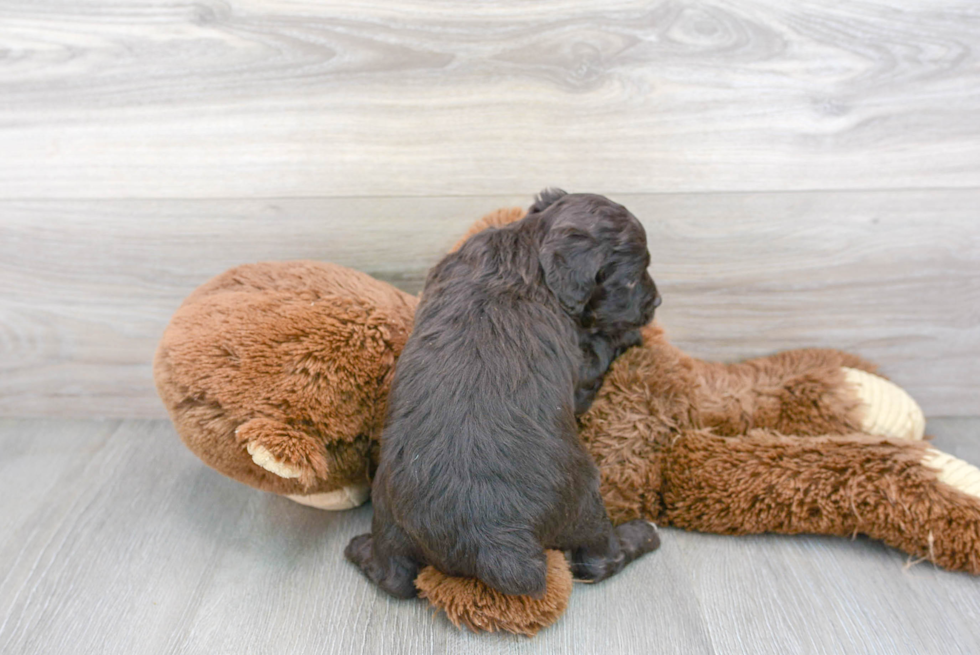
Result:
x=358 y=551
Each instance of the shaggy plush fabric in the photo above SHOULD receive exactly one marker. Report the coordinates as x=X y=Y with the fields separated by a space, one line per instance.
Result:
x=655 y=392
x=295 y=358
x=471 y=603
x=843 y=485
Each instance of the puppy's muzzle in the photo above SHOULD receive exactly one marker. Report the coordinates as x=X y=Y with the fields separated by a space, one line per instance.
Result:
x=651 y=299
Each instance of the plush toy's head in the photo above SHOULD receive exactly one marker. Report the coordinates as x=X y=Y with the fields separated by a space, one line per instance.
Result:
x=277 y=374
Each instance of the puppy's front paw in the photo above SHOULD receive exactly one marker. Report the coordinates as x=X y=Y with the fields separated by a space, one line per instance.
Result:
x=888 y=410
x=638 y=538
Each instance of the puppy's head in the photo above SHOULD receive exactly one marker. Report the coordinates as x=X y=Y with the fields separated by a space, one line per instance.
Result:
x=595 y=260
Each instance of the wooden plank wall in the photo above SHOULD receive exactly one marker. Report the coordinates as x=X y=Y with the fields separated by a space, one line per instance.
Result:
x=809 y=173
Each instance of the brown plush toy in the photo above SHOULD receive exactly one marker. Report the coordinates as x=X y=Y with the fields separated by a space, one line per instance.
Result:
x=276 y=375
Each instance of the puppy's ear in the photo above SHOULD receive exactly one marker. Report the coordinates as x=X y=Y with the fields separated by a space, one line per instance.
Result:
x=546 y=198
x=571 y=259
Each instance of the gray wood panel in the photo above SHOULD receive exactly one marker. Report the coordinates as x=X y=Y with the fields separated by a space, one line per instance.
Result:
x=115 y=539
x=124 y=98
x=88 y=286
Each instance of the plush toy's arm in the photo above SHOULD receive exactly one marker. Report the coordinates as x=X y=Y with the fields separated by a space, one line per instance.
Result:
x=804 y=392
x=905 y=493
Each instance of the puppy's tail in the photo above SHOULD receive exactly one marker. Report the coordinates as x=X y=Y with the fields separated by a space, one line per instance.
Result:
x=545 y=199
x=513 y=572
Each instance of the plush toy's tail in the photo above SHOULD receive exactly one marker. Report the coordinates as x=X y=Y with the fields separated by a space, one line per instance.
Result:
x=471 y=603
x=513 y=573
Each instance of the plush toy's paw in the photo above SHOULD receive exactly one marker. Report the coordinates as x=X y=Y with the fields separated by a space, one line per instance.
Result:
x=295 y=455
x=283 y=451
x=471 y=603
x=889 y=411
x=345 y=498
x=262 y=457
x=958 y=474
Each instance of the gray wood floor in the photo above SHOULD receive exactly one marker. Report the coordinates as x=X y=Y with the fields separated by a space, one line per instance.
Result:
x=114 y=539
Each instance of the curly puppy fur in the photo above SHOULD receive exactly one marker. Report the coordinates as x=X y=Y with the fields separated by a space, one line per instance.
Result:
x=481 y=465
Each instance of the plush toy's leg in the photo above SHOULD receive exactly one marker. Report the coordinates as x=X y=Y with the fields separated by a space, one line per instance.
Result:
x=804 y=392
x=906 y=493
x=887 y=409
x=954 y=471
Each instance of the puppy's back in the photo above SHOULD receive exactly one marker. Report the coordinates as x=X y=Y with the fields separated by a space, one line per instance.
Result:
x=480 y=445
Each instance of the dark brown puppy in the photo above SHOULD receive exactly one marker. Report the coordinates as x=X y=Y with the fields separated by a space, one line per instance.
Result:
x=481 y=465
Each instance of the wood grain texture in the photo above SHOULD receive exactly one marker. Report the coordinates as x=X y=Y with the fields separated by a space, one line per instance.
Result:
x=263 y=98
x=116 y=540
x=88 y=287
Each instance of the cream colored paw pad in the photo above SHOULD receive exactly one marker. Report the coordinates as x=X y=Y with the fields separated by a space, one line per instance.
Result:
x=345 y=498
x=889 y=410
x=955 y=472
x=262 y=457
